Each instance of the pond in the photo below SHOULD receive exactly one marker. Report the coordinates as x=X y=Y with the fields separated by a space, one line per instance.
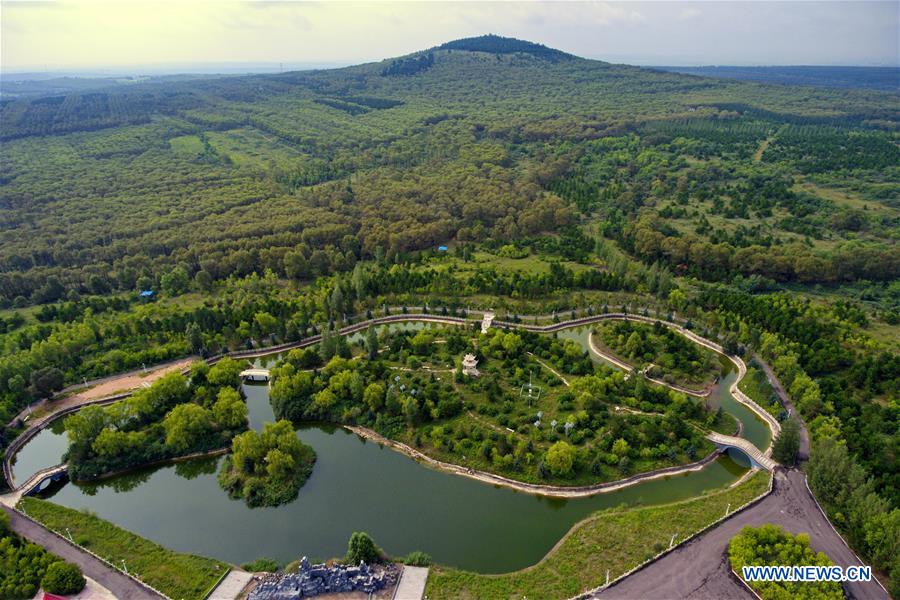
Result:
x=358 y=485
x=42 y=451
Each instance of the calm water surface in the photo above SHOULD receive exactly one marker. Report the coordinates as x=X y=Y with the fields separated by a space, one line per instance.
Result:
x=358 y=485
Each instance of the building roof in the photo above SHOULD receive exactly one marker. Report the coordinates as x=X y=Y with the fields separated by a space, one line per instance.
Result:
x=146 y=293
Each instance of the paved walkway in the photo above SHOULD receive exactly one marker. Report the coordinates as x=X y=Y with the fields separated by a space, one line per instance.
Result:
x=232 y=586
x=700 y=569
x=803 y=453
x=121 y=586
x=412 y=583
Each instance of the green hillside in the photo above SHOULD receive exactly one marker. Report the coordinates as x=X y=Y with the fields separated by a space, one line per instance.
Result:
x=263 y=208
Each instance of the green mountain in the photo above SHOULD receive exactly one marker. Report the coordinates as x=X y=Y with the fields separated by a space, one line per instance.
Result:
x=477 y=137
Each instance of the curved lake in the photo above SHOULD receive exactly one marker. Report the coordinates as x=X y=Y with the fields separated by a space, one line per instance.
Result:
x=358 y=485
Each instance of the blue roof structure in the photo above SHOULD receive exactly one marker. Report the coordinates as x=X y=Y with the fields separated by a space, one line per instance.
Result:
x=442 y=248
x=146 y=293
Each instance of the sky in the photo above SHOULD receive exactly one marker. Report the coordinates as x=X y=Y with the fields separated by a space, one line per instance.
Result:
x=81 y=34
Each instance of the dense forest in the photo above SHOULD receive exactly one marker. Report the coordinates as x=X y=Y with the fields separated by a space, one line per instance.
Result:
x=264 y=208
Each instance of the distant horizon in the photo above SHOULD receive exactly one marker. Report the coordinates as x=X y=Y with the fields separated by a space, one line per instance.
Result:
x=84 y=35
x=251 y=68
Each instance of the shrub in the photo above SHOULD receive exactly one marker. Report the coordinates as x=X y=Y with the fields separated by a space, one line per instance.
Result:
x=267 y=565
x=417 y=559
x=63 y=578
x=362 y=548
x=560 y=459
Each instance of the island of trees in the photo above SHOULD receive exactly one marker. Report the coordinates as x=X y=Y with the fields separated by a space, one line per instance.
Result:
x=267 y=468
x=577 y=425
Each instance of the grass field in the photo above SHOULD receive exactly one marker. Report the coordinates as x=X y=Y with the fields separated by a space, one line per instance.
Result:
x=189 y=146
x=174 y=574
x=254 y=148
x=617 y=540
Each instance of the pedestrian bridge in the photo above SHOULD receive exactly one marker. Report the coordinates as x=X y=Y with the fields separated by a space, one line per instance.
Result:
x=255 y=374
x=757 y=458
x=34 y=484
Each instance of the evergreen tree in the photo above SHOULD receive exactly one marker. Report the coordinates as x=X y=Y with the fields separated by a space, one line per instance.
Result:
x=372 y=342
x=786 y=447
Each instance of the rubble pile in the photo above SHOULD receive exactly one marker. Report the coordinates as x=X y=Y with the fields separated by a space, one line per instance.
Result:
x=312 y=580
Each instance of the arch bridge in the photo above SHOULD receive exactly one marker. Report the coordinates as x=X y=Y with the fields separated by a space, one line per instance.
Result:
x=757 y=458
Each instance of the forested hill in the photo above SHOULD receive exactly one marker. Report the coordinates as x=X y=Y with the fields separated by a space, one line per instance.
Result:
x=484 y=137
x=495 y=44
x=498 y=76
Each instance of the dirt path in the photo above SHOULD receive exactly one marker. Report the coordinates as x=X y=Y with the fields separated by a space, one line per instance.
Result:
x=107 y=387
x=700 y=569
x=788 y=404
x=757 y=156
x=549 y=368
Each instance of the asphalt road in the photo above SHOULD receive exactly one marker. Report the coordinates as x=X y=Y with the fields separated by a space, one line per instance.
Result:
x=699 y=569
x=122 y=587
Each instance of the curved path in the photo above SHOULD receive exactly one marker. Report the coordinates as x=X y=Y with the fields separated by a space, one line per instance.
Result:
x=699 y=568
x=626 y=367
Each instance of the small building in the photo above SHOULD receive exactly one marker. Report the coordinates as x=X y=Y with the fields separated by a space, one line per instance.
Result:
x=470 y=365
x=146 y=295
x=442 y=248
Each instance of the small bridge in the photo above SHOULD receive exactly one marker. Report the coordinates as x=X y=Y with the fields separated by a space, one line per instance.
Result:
x=36 y=483
x=757 y=458
x=255 y=374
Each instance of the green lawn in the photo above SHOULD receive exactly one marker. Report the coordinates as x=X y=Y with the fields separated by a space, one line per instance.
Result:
x=188 y=146
x=174 y=574
x=617 y=540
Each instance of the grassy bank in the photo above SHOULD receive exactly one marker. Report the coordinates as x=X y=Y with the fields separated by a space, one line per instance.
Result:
x=617 y=540
x=174 y=574
x=757 y=386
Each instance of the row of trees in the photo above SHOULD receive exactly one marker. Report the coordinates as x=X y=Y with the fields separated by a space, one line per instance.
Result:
x=647 y=238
